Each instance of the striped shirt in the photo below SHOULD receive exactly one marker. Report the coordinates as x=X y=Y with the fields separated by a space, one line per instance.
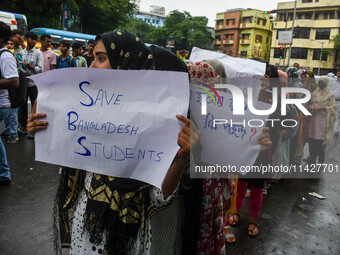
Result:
x=80 y=61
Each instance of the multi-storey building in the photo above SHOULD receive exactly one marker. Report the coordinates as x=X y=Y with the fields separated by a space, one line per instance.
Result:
x=316 y=23
x=238 y=30
x=227 y=32
x=156 y=16
x=256 y=27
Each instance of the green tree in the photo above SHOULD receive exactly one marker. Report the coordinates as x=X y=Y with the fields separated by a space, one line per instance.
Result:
x=140 y=28
x=187 y=31
x=97 y=16
x=336 y=50
x=45 y=13
x=159 y=36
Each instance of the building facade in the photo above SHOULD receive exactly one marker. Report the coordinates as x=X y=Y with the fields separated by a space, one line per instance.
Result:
x=238 y=31
x=316 y=23
x=227 y=32
x=156 y=16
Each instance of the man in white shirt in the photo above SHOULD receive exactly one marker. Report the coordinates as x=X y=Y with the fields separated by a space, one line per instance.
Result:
x=9 y=79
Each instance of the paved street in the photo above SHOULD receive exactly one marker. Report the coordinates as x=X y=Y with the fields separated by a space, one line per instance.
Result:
x=291 y=221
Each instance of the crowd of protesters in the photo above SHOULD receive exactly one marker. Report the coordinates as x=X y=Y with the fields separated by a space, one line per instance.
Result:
x=196 y=214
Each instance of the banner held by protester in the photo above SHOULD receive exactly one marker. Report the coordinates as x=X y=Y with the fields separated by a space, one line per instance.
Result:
x=113 y=122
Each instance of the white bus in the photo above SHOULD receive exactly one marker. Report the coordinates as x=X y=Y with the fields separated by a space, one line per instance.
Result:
x=9 y=19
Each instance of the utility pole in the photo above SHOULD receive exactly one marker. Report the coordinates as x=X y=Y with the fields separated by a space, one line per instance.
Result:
x=285 y=48
x=290 y=48
x=322 y=43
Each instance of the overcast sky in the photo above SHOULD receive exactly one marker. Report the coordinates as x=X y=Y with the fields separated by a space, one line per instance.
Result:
x=209 y=8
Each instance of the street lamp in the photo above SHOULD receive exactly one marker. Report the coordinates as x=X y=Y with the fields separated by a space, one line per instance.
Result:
x=322 y=43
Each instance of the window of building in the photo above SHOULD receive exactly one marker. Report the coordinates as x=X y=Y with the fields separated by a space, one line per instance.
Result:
x=243 y=53
x=316 y=1
x=258 y=21
x=153 y=21
x=264 y=22
x=267 y=40
x=230 y=53
x=247 y=20
x=301 y=32
x=322 y=33
x=316 y=15
x=316 y=55
x=299 y=15
x=281 y=17
x=307 y=1
x=308 y=15
x=258 y=37
x=157 y=21
x=218 y=37
x=230 y=21
x=290 y=16
x=332 y=15
x=299 y=53
x=219 y=22
x=245 y=37
x=325 y=15
x=229 y=36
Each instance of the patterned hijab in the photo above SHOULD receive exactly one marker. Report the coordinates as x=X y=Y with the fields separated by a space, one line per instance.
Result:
x=126 y=51
x=219 y=68
x=202 y=73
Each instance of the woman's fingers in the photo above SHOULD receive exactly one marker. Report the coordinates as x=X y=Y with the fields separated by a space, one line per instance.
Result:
x=187 y=137
x=33 y=124
x=264 y=140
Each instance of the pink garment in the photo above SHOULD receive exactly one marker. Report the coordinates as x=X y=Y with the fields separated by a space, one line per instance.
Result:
x=318 y=125
x=49 y=59
x=255 y=199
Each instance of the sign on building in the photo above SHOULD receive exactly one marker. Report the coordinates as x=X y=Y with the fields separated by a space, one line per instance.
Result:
x=285 y=37
x=170 y=43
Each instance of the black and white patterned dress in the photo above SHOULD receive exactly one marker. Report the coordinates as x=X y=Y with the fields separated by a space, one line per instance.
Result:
x=80 y=239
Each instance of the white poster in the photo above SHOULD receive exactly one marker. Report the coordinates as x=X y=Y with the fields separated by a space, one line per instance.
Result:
x=234 y=67
x=113 y=122
x=232 y=141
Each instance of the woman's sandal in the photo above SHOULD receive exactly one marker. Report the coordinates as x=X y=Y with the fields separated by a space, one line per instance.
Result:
x=251 y=231
x=228 y=235
x=233 y=222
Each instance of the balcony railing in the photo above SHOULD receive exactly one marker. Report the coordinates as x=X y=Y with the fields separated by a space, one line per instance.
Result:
x=244 y=41
x=246 y=25
x=218 y=42
x=228 y=41
x=218 y=27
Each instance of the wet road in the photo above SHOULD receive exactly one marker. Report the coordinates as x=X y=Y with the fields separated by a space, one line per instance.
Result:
x=291 y=221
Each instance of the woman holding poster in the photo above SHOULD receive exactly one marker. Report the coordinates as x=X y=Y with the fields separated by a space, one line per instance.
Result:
x=98 y=214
